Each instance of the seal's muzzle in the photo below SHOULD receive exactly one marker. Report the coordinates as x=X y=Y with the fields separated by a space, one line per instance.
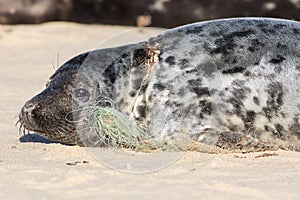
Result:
x=27 y=116
x=46 y=115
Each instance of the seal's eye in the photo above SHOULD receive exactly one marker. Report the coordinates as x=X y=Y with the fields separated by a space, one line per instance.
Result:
x=82 y=94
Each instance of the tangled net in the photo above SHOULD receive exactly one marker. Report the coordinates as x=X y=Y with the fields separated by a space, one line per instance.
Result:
x=115 y=129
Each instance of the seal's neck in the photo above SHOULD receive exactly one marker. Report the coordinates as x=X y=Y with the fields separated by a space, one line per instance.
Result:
x=127 y=77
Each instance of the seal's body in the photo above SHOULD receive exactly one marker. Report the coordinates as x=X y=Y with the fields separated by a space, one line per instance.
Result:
x=233 y=82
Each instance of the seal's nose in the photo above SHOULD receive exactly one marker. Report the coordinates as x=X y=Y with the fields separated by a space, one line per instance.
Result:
x=28 y=108
x=27 y=114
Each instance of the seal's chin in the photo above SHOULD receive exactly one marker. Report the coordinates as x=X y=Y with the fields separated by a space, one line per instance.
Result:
x=57 y=135
x=60 y=131
x=61 y=137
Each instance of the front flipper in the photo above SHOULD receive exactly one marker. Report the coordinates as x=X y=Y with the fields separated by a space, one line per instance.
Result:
x=233 y=141
x=230 y=142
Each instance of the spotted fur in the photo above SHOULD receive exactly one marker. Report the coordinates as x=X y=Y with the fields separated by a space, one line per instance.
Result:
x=237 y=78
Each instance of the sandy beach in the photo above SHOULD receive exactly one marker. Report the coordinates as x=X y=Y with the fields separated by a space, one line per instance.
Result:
x=36 y=169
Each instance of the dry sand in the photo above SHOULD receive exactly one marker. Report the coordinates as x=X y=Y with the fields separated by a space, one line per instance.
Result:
x=42 y=170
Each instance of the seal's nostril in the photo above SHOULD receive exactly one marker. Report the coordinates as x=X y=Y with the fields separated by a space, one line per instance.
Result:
x=28 y=108
x=26 y=116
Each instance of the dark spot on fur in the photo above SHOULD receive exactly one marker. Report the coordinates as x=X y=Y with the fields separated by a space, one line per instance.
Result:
x=239 y=92
x=226 y=43
x=171 y=103
x=190 y=108
x=279 y=131
x=233 y=70
x=207 y=69
x=139 y=56
x=181 y=92
x=200 y=91
x=136 y=83
x=283 y=114
x=270 y=76
x=269 y=128
x=196 y=87
x=281 y=46
x=241 y=33
x=221 y=94
x=184 y=63
x=256 y=100
x=279 y=26
x=247 y=73
x=275 y=99
x=170 y=60
x=237 y=105
x=121 y=101
x=255 y=45
x=239 y=89
x=144 y=88
x=191 y=71
x=249 y=119
x=206 y=108
x=215 y=33
x=132 y=93
x=142 y=111
x=277 y=60
x=268 y=31
x=296 y=30
x=251 y=48
x=294 y=128
x=261 y=24
x=110 y=75
x=278 y=69
x=207 y=47
x=195 y=30
x=158 y=86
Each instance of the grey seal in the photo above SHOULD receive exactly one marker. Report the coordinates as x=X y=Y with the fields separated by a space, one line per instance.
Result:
x=233 y=83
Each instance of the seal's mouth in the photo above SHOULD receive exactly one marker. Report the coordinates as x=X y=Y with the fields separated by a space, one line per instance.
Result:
x=62 y=131
x=60 y=134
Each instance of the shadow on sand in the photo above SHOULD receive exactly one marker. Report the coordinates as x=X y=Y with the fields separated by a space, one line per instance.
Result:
x=37 y=139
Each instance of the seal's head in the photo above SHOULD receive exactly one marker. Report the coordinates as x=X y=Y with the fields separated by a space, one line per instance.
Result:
x=56 y=112
x=48 y=113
